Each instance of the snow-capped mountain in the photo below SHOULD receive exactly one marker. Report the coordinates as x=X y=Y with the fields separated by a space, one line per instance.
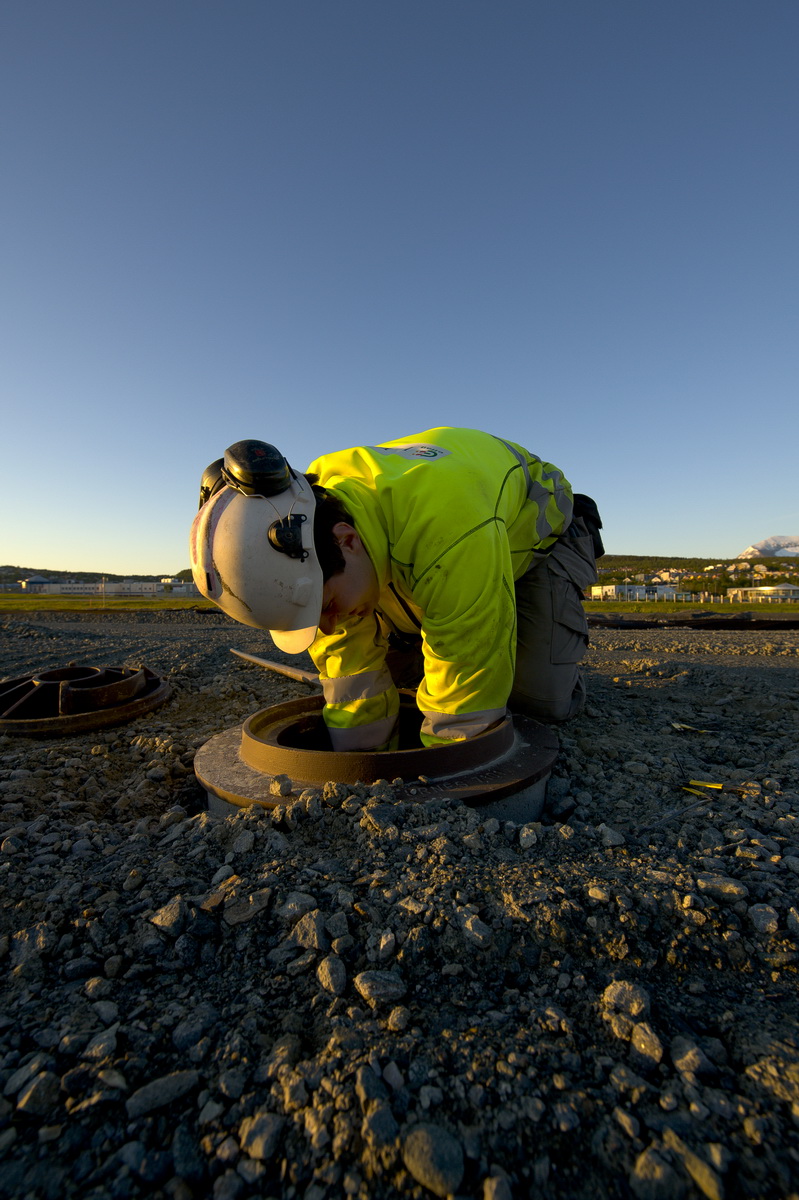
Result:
x=782 y=545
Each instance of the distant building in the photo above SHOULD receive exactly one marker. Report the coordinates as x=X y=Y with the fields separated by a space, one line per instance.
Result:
x=34 y=583
x=780 y=591
x=632 y=591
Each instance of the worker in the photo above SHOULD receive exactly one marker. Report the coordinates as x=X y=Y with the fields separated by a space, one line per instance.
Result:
x=451 y=559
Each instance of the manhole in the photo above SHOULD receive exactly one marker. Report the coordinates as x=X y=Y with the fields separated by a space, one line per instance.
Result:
x=510 y=760
x=76 y=698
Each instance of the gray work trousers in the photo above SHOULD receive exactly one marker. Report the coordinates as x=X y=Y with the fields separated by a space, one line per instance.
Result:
x=551 y=629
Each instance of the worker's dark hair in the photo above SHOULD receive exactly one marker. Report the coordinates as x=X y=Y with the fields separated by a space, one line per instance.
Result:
x=328 y=512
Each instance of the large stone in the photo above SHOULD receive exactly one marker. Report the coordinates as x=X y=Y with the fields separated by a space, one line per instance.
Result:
x=40 y=1096
x=332 y=974
x=721 y=887
x=379 y=1127
x=434 y=1157
x=160 y=1092
x=310 y=932
x=627 y=998
x=690 y=1059
x=653 y=1179
x=700 y=1171
x=171 y=919
x=380 y=987
x=646 y=1046
x=259 y=1135
x=188 y=1032
x=239 y=911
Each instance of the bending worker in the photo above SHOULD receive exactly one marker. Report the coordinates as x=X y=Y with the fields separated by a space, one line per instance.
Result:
x=450 y=559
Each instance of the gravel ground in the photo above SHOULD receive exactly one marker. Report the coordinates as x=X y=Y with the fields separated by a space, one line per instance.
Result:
x=364 y=994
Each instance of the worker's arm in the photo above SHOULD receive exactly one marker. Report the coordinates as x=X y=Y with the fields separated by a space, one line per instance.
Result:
x=361 y=702
x=469 y=637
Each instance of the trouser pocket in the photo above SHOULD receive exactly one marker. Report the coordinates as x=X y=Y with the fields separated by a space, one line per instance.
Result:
x=569 y=626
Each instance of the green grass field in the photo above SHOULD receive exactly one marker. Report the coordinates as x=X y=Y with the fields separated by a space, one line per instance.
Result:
x=16 y=602
x=663 y=607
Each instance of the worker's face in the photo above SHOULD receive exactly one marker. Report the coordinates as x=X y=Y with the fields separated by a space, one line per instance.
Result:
x=354 y=591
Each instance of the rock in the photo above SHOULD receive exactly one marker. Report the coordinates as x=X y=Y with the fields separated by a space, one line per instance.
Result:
x=259 y=1134
x=690 y=1059
x=172 y=917
x=496 y=1187
x=189 y=1031
x=653 y=1179
x=647 y=1046
x=40 y=1096
x=721 y=887
x=379 y=1127
x=528 y=836
x=434 y=1158
x=23 y=1075
x=103 y=1045
x=380 y=987
x=622 y=1003
x=332 y=974
x=160 y=1092
x=398 y=1019
x=477 y=932
x=240 y=911
x=778 y=1074
x=610 y=837
x=187 y=1159
x=764 y=918
x=309 y=932
x=296 y=905
x=700 y=1171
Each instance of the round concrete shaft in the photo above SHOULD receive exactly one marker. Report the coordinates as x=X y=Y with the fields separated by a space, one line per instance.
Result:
x=239 y=765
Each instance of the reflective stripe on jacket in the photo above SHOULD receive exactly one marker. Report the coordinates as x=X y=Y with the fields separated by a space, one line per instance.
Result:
x=450 y=518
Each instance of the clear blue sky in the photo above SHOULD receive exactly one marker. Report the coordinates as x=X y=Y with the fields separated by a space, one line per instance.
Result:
x=330 y=222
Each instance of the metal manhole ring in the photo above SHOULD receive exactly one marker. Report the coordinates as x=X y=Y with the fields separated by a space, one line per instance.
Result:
x=76 y=699
x=221 y=768
x=266 y=747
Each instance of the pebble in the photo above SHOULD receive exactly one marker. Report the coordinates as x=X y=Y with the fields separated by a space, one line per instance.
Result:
x=259 y=1135
x=434 y=1158
x=764 y=918
x=332 y=974
x=380 y=987
x=160 y=1092
x=721 y=887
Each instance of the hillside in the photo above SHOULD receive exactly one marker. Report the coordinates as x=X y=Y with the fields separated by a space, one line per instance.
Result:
x=11 y=574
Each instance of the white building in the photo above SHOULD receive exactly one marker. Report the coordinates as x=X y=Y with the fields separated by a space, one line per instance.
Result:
x=632 y=591
x=764 y=595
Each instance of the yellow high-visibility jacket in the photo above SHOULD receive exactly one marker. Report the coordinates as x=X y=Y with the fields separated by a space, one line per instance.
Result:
x=449 y=518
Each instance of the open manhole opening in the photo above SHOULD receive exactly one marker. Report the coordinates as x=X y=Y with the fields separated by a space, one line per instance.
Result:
x=78 y=698
x=309 y=732
x=239 y=765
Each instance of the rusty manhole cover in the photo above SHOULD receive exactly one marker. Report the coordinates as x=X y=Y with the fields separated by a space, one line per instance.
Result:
x=290 y=739
x=75 y=699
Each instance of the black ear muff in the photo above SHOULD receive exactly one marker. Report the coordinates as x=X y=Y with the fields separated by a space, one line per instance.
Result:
x=286 y=536
x=212 y=481
x=256 y=469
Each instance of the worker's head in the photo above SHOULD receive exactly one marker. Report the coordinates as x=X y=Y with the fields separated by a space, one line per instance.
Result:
x=273 y=550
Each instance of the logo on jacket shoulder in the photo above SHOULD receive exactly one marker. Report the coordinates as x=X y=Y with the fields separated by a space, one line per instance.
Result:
x=413 y=450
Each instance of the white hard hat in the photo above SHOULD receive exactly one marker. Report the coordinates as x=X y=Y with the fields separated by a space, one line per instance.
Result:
x=252 y=548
